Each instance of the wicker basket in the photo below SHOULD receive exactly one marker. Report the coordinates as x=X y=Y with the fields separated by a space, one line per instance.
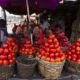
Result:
x=6 y=71
x=25 y=67
x=50 y=70
x=72 y=67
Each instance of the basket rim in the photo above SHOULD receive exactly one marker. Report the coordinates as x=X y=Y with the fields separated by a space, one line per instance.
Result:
x=49 y=62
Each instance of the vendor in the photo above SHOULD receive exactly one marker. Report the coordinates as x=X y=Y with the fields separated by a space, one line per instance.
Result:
x=38 y=36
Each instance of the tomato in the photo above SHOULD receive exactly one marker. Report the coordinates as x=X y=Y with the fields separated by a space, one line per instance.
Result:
x=6 y=51
x=73 y=50
x=3 y=57
x=6 y=45
x=73 y=59
x=52 y=60
x=78 y=48
x=5 y=62
x=46 y=44
x=78 y=53
x=69 y=57
x=56 y=54
x=50 y=41
x=1 y=50
x=51 y=36
x=46 y=54
x=77 y=44
x=14 y=59
x=1 y=62
x=62 y=58
x=47 y=59
x=78 y=40
x=51 y=46
x=9 y=56
x=52 y=55
x=55 y=40
x=56 y=45
x=57 y=60
x=61 y=54
x=74 y=56
x=52 y=50
x=69 y=53
x=10 y=61
x=47 y=49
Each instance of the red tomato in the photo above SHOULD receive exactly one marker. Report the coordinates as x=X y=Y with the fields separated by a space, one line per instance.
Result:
x=78 y=40
x=73 y=59
x=78 y=48
x=78 y=53
x=78 y=60
x=50 y=41
x=3 y=57
x=52 y=55
x=62 y=58
x=6 y=45
x=74 y=56
x=69 y=57
x=47 y=49
x=73 y=50
x=57 y=60
x=1 y=62
x=51 y=46
x=9 y=56
x=69 y=53
x=51 y=36
x=56 y=54
x=47 y=59
x=1 y=50
x=46 y=54
x=77 y=44
x=46 y=44
x=5 y=62
x=52 y=50
x=6 y=51
x=52 y=60
x=10 y=61
x=14 y=59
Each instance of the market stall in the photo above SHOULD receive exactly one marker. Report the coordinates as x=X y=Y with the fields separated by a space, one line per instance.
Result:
x=47 y=55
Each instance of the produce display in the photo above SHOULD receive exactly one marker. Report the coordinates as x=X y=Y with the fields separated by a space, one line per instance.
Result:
x=73 y=53
x=6 y=55
x=63 y=40
x=51 y=51
x=13 y=44
x=26 y=47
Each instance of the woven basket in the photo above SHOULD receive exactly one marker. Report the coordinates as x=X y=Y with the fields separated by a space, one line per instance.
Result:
x=50 y=70
x=6 y=71
x=25 y=67
x=72 y=67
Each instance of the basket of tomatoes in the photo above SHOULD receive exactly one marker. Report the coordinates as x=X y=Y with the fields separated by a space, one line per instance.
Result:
x=7 y=61
x=73 y=58
x=50 y=59
x=26 y=63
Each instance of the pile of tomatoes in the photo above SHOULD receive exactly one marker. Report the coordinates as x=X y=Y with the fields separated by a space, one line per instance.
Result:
x=73 y=53
x=51 y=51
x=26 y=48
